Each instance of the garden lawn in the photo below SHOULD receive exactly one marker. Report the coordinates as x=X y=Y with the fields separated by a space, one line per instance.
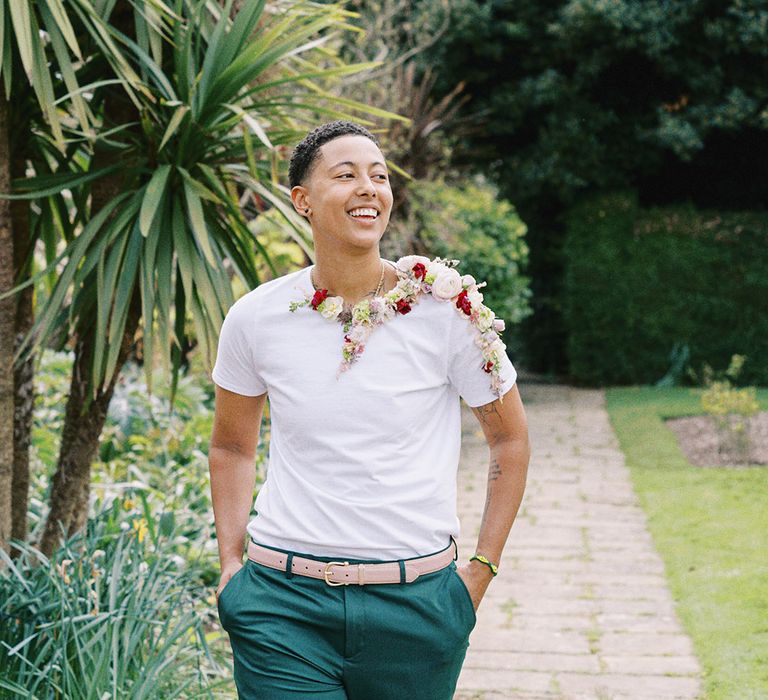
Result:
x=710 y=526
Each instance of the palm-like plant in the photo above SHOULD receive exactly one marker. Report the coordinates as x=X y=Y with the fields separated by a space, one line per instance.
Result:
x=30 y=92
x=219 y=99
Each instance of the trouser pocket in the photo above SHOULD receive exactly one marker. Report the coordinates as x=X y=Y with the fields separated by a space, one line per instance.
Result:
x=229 y=590
x=465 y=599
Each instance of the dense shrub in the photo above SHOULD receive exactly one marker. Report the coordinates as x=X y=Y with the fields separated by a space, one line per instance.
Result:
x=115 y=614
x=641 y=282
x=474 y=225
x=152 y=458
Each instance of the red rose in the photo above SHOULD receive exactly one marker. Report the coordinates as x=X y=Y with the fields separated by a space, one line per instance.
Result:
x=419 y=270
x=319 y=297
x=488 y=366
x=403 y=306
x=463 y=303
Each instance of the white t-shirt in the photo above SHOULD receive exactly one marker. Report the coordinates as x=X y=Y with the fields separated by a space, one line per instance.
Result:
x=364 y=464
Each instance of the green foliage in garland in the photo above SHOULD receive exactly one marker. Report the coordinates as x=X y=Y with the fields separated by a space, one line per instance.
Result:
x=640 y=282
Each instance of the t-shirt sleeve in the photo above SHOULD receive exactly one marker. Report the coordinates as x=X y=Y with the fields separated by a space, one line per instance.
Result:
x=465 y=367
x=235 y=369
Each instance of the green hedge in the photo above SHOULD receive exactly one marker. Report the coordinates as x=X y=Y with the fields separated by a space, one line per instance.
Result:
x=639 y=280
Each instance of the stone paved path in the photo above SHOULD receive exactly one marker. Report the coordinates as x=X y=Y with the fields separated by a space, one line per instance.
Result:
x=581 y=608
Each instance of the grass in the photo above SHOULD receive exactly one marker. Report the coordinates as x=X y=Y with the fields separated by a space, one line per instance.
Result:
x=710 y=526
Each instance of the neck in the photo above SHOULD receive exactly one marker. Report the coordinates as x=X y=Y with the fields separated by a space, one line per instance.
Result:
x=352 y=277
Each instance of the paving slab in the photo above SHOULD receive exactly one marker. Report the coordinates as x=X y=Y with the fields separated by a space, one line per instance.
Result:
x=580 y=609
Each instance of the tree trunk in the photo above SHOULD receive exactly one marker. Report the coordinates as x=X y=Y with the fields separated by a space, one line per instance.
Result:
x=83 y=423
x=80 y=437
x=7 y=308
x=23 y=376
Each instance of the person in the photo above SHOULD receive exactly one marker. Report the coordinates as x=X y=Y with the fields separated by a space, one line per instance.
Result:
x=350 y=589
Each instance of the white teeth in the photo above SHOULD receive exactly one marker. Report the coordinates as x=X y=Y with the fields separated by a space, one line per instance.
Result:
x=364 y=212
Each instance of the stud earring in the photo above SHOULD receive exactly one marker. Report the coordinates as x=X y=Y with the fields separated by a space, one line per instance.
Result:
x=306 y=211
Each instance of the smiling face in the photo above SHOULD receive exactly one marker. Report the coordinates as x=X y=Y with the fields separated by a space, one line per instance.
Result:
x=348 y=193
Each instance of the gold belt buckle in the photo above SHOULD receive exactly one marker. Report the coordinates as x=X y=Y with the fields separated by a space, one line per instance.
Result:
x=328 y=572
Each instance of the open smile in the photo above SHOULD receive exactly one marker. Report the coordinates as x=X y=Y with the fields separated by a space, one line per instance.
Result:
x=364 y=214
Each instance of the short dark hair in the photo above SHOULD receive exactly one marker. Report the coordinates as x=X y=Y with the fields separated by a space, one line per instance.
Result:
x=306 y=153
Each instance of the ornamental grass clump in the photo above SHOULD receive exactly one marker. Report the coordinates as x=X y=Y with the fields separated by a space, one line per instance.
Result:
x=731 y=409
x=111 y=614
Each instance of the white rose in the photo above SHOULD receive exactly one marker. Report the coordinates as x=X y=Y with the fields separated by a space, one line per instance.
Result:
x=498 y=324
x=468 y=280
x=406 y=263
x=331 y=307
x=447 y=284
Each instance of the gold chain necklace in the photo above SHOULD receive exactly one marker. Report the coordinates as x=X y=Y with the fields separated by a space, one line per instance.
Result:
x=375 y=294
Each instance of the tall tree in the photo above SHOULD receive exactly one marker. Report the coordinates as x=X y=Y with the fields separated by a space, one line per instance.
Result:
x=27 y=95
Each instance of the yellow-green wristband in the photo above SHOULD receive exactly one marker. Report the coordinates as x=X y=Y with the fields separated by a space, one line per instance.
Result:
x=484 y=560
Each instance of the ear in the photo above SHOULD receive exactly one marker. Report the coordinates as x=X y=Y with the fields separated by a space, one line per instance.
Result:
x=300 y=199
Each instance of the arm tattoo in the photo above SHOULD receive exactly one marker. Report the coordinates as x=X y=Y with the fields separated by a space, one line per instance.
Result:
x=487 y=412
x=490 y=419
x=494 y=471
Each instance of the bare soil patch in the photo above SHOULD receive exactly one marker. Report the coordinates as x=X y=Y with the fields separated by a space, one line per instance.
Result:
x=698 y=439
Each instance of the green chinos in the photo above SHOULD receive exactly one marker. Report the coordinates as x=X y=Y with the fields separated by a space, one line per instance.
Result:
x=297 y=637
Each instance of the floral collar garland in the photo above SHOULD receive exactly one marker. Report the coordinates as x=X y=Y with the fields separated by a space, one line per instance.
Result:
x=418 y=275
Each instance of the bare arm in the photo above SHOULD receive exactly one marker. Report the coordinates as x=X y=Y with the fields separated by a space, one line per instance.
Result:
x=231 y=461
x=506 y=431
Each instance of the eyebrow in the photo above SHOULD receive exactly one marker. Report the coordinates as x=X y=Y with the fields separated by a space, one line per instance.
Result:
x=349 y=162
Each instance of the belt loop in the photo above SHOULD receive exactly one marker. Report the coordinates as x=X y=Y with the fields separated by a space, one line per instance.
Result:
x=455 y=549
x=402 y=570
x=289 y=566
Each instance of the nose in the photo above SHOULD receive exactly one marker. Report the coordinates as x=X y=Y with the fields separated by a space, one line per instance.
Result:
x=366 y=186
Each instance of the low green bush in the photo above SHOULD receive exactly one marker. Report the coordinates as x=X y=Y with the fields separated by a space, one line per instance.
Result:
x=153 y=459
x=642 y=283
x=474 y=225
x=114 y=614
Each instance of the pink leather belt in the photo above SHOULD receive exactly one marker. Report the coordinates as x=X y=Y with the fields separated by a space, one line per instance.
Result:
x=342 y=573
